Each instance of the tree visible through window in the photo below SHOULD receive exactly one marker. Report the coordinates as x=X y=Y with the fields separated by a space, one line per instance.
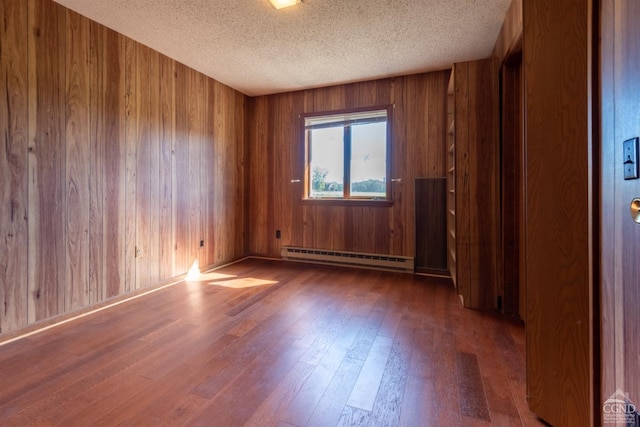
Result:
x=347 y=155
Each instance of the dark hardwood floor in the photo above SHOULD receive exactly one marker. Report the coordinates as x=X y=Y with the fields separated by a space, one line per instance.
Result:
x=269 y=343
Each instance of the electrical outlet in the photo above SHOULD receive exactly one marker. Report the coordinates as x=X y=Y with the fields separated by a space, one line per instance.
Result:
x=278 y=234
x=138 y=253
x=202 y=243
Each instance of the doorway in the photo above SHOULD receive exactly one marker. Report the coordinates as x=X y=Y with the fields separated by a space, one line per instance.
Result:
x=512 y=183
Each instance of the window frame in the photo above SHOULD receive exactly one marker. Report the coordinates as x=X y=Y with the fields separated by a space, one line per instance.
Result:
x=347 y=199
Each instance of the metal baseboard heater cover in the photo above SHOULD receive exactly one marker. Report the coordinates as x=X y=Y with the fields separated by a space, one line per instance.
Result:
x=345 y=258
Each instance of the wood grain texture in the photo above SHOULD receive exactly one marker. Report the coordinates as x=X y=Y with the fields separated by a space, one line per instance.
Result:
x=473 y=400
x=47 y=160
x=190 y=179
x=228 y=173
x=276 y=156
x=461 y=164
x=111 y=115
x=320 y=346
x=166 y=180
x=259 y=177
x=96 y=255
x=131 y=146
x=477 y=171
x=77 y=162
x=108 y=148
x=141 y=146
x=620 y=365
x=511 y=32
x=181 y=230
x=557 y=42
x=13 y=165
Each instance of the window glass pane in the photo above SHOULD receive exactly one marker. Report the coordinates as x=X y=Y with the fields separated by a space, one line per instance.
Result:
x=326 y=153
x=369 y=160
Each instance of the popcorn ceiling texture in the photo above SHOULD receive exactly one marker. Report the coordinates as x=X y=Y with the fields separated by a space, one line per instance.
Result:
x=250 y=46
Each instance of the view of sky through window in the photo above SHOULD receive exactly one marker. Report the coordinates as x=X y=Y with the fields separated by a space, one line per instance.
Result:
x=369 y=159
x=362 y=136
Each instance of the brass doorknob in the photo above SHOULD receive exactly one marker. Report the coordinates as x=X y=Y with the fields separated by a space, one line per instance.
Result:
x=635 y=210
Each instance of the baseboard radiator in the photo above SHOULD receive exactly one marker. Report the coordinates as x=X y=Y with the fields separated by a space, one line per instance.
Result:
x=344 y=258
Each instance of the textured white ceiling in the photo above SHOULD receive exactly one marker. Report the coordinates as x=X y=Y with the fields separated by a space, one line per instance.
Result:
x=250 y=46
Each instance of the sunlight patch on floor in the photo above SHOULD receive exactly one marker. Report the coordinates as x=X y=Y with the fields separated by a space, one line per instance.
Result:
x=240 y=283
x=211 y=277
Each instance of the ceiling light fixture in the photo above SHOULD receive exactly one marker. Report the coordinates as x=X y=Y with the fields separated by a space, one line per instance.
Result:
x=279 y=4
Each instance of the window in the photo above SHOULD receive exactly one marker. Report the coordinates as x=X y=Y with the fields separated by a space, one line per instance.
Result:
x=347 y=155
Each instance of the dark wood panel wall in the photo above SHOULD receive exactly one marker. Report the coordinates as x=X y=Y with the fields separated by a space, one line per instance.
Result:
x=559 y=207
x=431 y=225
x=477 y=182
x=115 y=163
x=276 y=158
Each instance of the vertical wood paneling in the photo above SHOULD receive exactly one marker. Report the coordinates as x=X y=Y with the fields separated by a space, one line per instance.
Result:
x=195 y=87
x=240 y=135
x=130 y=183
x=167 y=136
x=484 y=198
x=259 y=176
x=463 y=210
x=435 y=107
x=155 y=191
x=106 y=146
x=206 y=254
x=47 y=169
x=181 y=171
x=224 y=170
x=276 y=141
x=217 y=170
x=398 y=159
x=13 y=165
x=477 y=171
x=97 y=264
x=77 y=161
x=111 y=115
x=405 y=167
x=557 y=71
x=284 y=120
x=143 y=156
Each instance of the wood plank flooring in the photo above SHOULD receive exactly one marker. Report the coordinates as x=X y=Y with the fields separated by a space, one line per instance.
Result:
x=267 y=343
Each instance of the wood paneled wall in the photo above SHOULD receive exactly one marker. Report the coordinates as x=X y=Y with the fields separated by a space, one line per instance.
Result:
x=477 y=181
x=559 y=210
x=115 y=162
x=276 y=158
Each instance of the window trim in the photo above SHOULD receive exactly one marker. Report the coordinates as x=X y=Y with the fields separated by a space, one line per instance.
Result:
x=347 y=199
